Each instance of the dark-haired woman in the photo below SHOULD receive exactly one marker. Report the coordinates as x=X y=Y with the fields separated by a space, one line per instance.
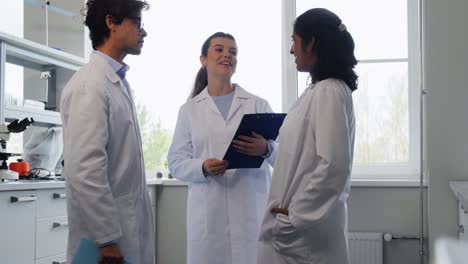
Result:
x=306 y=218
x=224 y=207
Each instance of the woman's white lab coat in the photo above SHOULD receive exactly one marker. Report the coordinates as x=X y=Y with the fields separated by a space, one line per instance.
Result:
x=224 y=212
x=311 y=179
x=104 y=170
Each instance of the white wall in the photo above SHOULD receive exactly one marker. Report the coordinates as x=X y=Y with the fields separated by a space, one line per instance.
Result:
x=446 y=71
x=64 y=32
x=11 y=18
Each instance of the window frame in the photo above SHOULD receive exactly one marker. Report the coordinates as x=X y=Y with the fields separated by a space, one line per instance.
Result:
x=378 y=173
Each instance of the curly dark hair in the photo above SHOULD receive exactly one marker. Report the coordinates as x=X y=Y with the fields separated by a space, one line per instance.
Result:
x=333 y=46
x=95 y=13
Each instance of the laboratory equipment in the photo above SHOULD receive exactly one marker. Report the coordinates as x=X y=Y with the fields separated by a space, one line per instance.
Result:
x=5 y=130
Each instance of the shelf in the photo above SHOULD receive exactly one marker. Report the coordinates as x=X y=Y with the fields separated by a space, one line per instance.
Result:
x=36 y=56
x=41 y=117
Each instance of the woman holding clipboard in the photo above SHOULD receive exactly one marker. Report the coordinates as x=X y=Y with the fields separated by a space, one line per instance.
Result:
x=224 y=207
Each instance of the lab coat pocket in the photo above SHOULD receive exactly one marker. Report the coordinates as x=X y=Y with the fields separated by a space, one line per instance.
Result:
x=287 y=241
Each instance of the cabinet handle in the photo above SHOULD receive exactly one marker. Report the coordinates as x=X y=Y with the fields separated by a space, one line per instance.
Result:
x=57 y=225
x=14 y=199
x=59 y=262
x=59 y=195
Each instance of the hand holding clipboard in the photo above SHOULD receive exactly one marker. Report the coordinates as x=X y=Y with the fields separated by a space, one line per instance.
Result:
x=265 y=124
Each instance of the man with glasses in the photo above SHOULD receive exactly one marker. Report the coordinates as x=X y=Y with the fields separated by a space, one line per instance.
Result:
x=107 y=199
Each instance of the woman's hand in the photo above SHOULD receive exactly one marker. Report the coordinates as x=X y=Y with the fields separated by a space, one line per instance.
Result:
x=215 y=166
x=252 y=146
x=277 y=210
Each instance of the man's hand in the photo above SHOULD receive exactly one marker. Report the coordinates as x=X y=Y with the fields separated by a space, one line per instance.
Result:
x=252 y=146
x=215 y=166
x=277 y=210
x=111 y=254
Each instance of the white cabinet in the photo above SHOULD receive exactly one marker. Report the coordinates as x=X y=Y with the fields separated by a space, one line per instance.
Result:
x=34 y=226
x=152 y=194
x=51 y=223
x=51 y=236
x=51 y=203
x=17 y=227
x=152 y=191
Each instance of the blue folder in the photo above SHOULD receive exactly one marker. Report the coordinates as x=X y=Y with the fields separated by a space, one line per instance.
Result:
x=88 y=253
x=265 y=124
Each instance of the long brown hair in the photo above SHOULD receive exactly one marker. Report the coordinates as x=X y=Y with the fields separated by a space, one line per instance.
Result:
x=201 y=81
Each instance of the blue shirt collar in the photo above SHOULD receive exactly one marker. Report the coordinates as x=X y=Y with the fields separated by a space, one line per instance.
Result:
x=119 y=68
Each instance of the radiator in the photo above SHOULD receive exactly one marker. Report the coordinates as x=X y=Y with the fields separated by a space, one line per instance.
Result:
x=366 y=248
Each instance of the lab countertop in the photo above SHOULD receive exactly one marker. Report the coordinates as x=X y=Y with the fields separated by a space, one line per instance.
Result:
x=52 y=184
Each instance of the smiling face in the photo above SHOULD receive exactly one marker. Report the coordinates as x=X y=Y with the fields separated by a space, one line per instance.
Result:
x=305 y=58
x=221 y=59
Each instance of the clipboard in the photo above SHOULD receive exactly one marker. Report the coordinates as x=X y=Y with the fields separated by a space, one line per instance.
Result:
x=265 y=124
x=88 y=253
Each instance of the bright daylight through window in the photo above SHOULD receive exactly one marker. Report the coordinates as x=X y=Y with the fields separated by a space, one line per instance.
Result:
x=163 y=75
x=385 y=35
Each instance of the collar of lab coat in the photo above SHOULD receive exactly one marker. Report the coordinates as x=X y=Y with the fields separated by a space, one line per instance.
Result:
x=239 y=92
x=239 y=96
x=109 y=72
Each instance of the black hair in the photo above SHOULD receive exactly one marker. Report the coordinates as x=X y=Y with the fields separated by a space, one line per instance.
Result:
x=201 y=81
x=333 y=46
x=95 y=13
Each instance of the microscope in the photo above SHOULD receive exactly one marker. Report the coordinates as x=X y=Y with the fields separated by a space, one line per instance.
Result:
x=14 y=127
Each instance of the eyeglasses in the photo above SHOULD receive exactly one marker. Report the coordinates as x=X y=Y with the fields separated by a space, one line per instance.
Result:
x=137 y=21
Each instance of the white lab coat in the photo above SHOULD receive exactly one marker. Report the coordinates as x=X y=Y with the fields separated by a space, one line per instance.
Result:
x=104 y=170
x=311 y=179
x=224 y=213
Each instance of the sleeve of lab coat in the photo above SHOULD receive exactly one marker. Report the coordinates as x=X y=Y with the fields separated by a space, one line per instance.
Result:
x=181 y=162
x=86 y=137
x=327 y=180
x=264 y=107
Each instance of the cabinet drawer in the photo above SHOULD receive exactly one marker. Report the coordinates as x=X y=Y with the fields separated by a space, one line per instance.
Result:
x=59 y=259
x=51 y=236
x=17 y=210
x=51 y=203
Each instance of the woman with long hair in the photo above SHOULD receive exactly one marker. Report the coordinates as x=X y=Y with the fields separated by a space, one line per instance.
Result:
x=224 y=207
x=306 y=218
